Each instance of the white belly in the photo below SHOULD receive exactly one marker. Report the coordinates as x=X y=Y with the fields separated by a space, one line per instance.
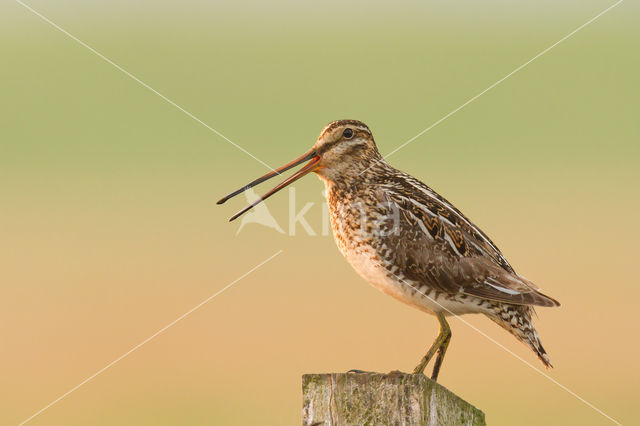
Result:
x=364 y=261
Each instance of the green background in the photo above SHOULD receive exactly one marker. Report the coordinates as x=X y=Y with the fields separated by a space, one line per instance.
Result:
x=110 y=231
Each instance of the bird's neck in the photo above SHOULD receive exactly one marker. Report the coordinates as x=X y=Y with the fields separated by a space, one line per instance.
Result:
x=348 y=189
x=354 y=175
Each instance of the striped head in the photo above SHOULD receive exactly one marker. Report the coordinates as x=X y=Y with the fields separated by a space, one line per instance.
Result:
x=346 y=148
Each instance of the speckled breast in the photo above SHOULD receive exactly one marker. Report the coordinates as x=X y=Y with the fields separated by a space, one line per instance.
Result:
x=357 y=222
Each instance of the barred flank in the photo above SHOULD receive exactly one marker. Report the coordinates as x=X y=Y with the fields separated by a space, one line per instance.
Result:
x=516 y=319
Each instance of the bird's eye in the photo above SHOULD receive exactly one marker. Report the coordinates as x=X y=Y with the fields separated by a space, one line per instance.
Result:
x=348 y=133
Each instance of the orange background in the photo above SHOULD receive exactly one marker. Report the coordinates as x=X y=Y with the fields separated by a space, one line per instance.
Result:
x=110 y=231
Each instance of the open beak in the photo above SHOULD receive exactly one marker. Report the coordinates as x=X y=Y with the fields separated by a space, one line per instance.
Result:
x=311 y=156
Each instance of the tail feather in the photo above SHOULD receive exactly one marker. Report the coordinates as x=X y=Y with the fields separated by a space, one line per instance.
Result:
x=516 y=319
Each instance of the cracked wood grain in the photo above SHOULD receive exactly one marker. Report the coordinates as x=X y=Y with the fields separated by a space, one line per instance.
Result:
x=382 y=399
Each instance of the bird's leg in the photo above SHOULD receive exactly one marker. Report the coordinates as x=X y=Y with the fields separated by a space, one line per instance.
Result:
x=439 y=345
x=442 y=349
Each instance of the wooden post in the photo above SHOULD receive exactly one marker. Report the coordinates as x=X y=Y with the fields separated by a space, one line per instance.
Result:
x=382 y=399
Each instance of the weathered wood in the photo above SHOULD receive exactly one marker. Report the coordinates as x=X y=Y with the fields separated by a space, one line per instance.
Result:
x=382 y=399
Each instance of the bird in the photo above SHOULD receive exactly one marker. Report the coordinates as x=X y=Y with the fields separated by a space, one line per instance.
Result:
x=409 y=242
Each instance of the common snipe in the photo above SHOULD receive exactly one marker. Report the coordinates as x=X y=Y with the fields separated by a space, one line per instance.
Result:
x=411 y=243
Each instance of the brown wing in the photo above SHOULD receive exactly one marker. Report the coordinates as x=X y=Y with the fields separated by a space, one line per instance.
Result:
x=438 y=244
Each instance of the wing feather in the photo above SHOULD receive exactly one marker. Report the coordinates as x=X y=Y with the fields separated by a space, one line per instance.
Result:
x=451 y=253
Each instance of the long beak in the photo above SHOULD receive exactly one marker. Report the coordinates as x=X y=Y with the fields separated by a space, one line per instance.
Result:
x=309 y=167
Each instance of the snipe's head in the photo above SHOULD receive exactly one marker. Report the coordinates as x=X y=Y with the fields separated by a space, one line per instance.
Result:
x=344 y=149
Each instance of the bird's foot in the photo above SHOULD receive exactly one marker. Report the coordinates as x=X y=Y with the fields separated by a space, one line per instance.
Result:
x=395 y=373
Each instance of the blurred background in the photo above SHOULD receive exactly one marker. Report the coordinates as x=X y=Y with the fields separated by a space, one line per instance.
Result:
x=110 y=231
